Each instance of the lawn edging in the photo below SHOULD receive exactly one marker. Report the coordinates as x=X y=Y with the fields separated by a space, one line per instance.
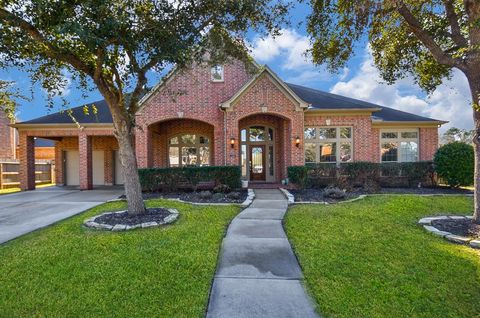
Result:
x=426 y=222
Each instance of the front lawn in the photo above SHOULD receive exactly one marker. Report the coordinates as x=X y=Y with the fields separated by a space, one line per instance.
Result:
x=370 y=259
x=68 y=271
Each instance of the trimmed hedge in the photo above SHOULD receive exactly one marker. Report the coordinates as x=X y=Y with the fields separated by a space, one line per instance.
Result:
x=454 y=163
x=171 y=179
x=360 y=173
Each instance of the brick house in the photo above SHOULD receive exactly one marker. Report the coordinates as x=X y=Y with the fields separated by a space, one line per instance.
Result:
x=226 y=115
x=7 y=140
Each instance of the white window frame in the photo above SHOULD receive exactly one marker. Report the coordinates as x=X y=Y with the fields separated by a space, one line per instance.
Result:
x=337 y=140
x=399 y=139
x=213 y=79
x=196 y=145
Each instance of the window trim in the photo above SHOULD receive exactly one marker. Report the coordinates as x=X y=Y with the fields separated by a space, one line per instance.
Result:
x=398 y=140
x=196 y=145
x=212 y=79
x=338 y=141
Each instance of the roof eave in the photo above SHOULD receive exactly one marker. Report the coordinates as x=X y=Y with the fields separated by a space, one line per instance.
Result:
x=61 y=125
x=436 y=123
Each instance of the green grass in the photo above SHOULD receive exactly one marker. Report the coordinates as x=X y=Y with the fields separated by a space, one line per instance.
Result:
x=68 y=271
x=13 y=190
x=370 y=259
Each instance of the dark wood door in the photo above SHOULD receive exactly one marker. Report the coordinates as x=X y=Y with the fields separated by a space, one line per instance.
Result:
x=257 y=163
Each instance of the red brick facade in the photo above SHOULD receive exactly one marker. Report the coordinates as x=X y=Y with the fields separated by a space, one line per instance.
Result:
x=190 y=103
x=7 y=138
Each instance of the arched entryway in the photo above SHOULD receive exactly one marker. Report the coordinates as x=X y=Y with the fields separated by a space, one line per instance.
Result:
x=182 y=142
x=262 y=147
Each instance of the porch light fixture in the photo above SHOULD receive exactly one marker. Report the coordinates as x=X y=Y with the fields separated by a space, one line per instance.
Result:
x=297 y=141
x=232 y=142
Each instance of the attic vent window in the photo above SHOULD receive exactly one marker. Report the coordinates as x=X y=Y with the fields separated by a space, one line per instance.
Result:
x=217 y=73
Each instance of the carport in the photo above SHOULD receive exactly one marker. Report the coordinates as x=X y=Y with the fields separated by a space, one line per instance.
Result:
x=86 y=153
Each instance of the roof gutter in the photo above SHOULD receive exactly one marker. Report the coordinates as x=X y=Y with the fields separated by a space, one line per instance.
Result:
x=61 y=125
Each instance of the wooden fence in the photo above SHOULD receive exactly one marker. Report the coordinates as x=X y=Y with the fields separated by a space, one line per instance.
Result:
x=9 y=173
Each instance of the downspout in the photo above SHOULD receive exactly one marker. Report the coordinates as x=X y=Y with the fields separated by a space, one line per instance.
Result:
x=225 y=136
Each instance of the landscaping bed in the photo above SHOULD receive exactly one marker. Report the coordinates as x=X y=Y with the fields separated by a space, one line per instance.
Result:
x=205 y=196
x=461 y=227
x=319 y=195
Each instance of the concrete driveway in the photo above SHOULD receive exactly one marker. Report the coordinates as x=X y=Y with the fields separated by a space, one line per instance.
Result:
x=24 y=212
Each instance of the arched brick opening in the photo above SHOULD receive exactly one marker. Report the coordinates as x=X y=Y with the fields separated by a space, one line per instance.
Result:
x=162 y=132
x=279 y=147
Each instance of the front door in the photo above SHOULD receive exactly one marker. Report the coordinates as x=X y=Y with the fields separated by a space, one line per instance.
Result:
x=257 y=163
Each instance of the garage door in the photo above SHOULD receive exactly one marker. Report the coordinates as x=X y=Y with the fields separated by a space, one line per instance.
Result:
x=118 y=169
x=98 y=165
x=72 y=168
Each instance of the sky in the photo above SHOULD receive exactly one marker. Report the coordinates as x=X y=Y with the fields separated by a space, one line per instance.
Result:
x=285 y=54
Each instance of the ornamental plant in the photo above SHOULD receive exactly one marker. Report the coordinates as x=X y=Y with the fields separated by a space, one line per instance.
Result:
x=455 y=164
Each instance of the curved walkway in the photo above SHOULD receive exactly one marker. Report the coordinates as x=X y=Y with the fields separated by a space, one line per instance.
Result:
x=258 y=274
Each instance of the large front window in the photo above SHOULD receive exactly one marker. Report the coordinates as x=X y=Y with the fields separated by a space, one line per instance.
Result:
x=328 y=144
x=399 y=145
x=189 y=150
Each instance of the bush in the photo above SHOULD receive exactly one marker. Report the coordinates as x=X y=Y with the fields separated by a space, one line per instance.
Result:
x=333 y=193
x=368 y=175
x=155 y=179
x=298 y=175
x=221 y=188
x=454 y=163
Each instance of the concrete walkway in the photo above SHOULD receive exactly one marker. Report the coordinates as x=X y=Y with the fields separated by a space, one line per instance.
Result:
x=258 y=274
x=24 y=212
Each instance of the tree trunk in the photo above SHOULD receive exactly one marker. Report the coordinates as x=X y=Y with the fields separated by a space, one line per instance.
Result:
x=133 y=190
x=474 y=82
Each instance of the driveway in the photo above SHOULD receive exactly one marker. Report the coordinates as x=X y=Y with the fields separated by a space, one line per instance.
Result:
x=24 y=212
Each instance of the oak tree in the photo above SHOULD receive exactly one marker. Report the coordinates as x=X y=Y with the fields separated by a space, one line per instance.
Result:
x=425 y=39
x=112 y=45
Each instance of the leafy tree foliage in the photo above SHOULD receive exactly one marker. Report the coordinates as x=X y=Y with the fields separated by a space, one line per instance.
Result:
x=454 y=162
x=423 y=39
x=456 y=134
x=111 y=45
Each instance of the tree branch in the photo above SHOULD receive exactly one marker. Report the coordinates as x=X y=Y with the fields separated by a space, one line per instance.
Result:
x=452 y=17
x=51 y=51
x=424 y=37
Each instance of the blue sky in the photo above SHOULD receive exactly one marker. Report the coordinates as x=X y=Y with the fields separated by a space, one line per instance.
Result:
x=285 y=55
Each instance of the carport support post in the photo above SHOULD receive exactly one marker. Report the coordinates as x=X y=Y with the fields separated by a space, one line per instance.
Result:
x=85 y=154
x=27 y=162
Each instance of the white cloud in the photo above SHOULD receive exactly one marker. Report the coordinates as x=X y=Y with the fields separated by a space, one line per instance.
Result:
x=450 y=101
x=290 y=45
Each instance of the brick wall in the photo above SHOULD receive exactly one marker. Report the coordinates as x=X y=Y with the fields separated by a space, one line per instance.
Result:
x=7 y=140
x=428 y=141
x=189 y=94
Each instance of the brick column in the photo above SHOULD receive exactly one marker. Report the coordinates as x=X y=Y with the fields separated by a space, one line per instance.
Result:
x=85 y=154
x=27 y=162
x=143 y=147
x=109 y=167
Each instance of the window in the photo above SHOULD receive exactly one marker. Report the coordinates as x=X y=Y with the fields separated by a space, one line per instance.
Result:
x=328 y=144
x=189 y=150
x=217 y=73
x=399 y=146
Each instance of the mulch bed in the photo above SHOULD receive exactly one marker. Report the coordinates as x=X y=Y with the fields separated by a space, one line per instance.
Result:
x=151 y=215
x=317 y=195
x=201 y=196
x=463 y=227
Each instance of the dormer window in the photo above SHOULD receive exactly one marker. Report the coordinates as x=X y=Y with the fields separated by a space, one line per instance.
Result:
x=217 y=73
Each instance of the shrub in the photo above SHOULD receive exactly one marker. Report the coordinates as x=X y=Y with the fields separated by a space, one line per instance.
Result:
x=334 y=193
x=298 y=175
x=221 y=188
x=368 y=175
x=454 y=163
x=154 y=179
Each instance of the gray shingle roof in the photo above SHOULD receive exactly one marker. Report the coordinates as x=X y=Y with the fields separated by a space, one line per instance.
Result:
x=103 y=116
x=323 y=100
x=318 y=100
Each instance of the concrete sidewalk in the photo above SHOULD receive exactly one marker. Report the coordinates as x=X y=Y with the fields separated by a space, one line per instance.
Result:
x=258 y=274
x=24 y=212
